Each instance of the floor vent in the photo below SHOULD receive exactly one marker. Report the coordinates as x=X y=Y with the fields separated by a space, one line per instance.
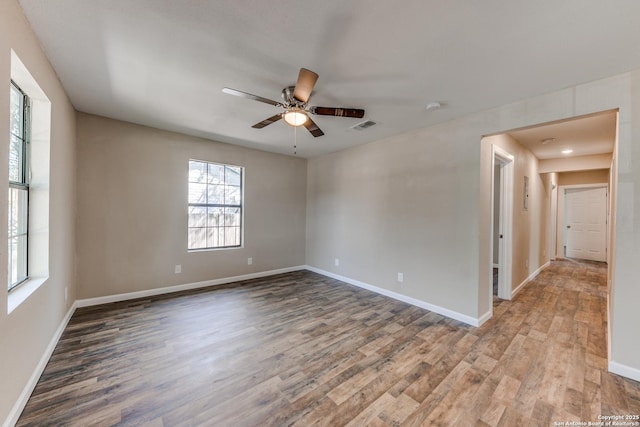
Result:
x=363 y=125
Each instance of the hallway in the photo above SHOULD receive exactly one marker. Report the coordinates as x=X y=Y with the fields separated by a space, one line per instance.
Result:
x=558 y=371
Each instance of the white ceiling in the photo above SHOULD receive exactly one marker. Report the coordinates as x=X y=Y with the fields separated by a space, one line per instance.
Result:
x=588 y=135
x=164 y=63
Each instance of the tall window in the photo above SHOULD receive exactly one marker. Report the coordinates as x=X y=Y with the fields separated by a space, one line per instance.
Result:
x=18 y=187
x=215 y=205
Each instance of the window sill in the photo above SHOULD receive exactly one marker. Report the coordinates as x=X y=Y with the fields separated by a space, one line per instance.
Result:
x=226 y=248
x=23 y=292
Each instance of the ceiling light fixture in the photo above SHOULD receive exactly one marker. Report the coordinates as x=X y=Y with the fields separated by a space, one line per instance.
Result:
x=567 y=151
x=295 y=117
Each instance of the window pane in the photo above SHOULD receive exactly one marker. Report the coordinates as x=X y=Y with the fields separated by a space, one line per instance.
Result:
x=215 y=194
x=197 y=238
x=217 y=173
x=214 y=238
x=232 y=175
x=232 y=217
x=13 y=264
x=16 y=124
x=197 y=193
x=17 y=260
x=12 y=213
x=197 y=171
x=238 y=240
x=15 y=159
x=18 y=211
x=232 y=236
x=232 y=195
x=197 y=217
x=215 y=217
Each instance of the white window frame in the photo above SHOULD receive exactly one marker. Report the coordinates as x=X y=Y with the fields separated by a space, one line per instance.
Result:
x=18 y=209
x=201 y=225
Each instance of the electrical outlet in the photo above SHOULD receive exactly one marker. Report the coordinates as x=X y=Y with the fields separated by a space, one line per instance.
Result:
x=249 y=261
x=178 y=269
x=337 y=262
x=400 y=277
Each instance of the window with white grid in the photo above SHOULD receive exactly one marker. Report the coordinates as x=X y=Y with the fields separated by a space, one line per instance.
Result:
x=215 y=205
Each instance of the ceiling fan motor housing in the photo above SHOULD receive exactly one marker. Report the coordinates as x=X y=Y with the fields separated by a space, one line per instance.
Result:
x=289 y=99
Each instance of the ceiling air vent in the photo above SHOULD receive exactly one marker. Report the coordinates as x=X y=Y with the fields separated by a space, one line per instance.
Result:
x=363 y=125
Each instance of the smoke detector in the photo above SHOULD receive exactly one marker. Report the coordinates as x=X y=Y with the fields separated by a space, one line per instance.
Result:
x=432 y=106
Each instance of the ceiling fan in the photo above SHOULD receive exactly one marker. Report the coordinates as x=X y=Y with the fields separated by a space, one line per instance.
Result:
x=295 y=103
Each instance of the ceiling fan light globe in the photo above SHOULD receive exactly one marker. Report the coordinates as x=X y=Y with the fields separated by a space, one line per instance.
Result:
x=295 y=118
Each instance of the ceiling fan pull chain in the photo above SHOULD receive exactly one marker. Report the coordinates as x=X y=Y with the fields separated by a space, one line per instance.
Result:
x=295 y=140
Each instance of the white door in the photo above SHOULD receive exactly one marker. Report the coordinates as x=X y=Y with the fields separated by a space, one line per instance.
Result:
x=586 y=223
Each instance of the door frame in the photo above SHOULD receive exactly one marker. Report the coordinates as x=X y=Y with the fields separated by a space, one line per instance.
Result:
x=553 y=218
x=561 y=223
x=500 y=156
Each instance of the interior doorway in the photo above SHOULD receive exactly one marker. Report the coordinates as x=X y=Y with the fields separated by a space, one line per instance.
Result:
x=502 y=222
x=584 y=219
x=543 y=158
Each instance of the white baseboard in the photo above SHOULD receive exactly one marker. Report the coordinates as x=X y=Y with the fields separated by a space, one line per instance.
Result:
x=87 y=302
x=409 y=300
x=529 y=279
x=482 y=319
x=624 y=370
x=17 y=408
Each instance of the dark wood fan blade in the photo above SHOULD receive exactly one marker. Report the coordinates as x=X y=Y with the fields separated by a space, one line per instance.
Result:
x=337 y=112
x=313 y=128
x=267 y=122
x=304 y=86
x=241 y=94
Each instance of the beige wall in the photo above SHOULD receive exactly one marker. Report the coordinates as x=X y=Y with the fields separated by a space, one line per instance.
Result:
x=405 y=204
x=29 y=329
x=419 y=203
x=584 y=177
x=568 y=164
x=625 y=345
x=132 y=212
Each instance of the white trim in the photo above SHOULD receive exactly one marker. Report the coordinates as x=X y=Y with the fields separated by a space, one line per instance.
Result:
x=500 y=156
x=624 y=370
x=496 y=265
x=609 y=328
x=409 y=300
x=482 y=319
x=176 y=288
x=20 y=294
x=553 y=218
x=530 y=278
x=17 y=408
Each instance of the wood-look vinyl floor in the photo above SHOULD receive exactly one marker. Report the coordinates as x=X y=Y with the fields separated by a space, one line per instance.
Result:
x=302 y=349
